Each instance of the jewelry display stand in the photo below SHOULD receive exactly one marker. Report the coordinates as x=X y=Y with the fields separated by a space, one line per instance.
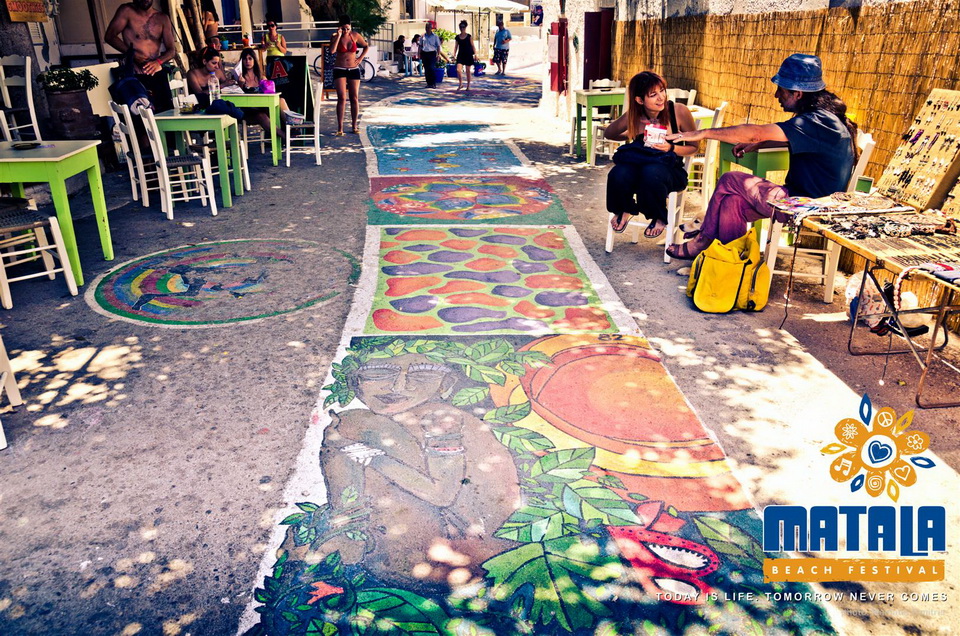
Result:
x=927 y=162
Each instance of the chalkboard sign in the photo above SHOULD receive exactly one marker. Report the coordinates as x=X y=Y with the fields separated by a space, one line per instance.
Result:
x=292 y=78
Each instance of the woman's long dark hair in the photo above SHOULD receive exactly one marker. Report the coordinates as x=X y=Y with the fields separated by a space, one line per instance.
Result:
x=825 y=100
x=256 y=65
x=640 y=85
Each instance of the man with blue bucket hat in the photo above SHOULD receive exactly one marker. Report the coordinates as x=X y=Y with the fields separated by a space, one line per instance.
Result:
x=821 y=141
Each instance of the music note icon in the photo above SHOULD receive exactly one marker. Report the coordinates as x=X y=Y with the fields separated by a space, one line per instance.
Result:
x=845 y=466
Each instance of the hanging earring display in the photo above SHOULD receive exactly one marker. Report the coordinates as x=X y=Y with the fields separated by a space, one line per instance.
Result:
x=927 y=162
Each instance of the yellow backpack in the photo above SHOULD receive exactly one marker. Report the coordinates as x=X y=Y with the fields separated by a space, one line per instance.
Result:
x=730 y=276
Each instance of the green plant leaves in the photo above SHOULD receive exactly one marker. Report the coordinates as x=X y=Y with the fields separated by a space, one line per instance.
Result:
x=565 y=465
x=589 y=500
x=551 y=567
x=731 y=541
x=521 y=440
x=393 y=611
x=507 y=414
x=470 y=395
x=532 y=523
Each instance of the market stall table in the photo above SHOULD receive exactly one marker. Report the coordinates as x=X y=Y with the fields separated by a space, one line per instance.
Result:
x=223 y=127
x=270 y=101
x=895 y=255
x=53 y=163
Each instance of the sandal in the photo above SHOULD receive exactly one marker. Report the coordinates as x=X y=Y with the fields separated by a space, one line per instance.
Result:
x=653 y=231
x=691 y=234
x=339 y=133
x=620 y=223
x=680 y=252
x=356 y=130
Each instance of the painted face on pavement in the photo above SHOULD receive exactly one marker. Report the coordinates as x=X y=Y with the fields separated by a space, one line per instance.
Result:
x=390 y=386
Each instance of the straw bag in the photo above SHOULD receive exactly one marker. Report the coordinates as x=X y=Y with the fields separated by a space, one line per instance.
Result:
x=730 y=276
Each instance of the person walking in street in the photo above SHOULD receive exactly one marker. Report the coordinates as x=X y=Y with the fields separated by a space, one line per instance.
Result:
x=820 y=138
x=430 y=50
x=464 y=54
x=501 y=48
x=145 y=36
x=350 y=49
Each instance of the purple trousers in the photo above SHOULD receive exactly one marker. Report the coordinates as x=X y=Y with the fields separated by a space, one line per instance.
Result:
x=740 y=198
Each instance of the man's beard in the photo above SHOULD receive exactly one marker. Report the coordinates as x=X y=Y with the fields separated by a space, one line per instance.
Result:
x=142 y=5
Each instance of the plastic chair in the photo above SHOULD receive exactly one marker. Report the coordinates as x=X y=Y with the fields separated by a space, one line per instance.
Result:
x=8 y=384
x=25 y=82
x=143 y=170
x=674 y=207
x=679 y=95
x=24 y=239
x=830 y=254
x=703 y=168
x=182 y=178
x=307 y=132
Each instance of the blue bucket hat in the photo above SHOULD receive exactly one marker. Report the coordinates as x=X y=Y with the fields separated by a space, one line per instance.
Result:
x=801 y=72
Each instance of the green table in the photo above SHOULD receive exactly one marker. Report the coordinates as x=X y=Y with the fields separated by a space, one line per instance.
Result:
x=591 y=99
x=223 y=127
x=54 y=162
x=759 y=163
x=259 y=100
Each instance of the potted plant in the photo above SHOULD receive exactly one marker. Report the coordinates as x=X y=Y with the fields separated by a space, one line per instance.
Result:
x=71 y=116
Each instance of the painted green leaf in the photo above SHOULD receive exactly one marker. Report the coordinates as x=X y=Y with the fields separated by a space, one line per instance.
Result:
x=568 y=464
x=532 y=523
x=483 y=373
x=489 y=351
x=611 y=481
x=731 y=541
x=561 y=571
x=588 y=500
x=507 y=414
x=295 y=518
x=260 y=595
x=393 y=611
x=521 y=440
x=532 y=358
x=470 y=395
x=307 y=506
x=349 y=495
x=513 y=368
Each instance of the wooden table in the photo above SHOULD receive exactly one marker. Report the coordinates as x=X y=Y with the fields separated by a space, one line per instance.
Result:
x=260 y=100
x=894 y=255
x=223 y=127
x=591 y=99
x=53 y=163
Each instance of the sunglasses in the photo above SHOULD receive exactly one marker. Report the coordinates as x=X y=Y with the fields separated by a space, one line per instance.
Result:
x=271 y=26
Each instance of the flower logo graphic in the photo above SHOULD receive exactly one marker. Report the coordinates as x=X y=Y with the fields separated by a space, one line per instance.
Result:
x=879 y=456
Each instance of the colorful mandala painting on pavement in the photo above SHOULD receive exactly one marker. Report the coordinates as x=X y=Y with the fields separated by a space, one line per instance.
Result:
x=507 y=486
x=458 y=199
x=496 y=280
x=431 y=135
x=486 y=159
x=220 y=283
x=484 y=92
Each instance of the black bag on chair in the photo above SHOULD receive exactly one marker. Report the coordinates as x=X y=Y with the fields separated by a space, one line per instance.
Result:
x=636 y=153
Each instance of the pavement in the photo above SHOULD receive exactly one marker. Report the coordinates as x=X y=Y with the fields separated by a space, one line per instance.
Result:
x=146 y=470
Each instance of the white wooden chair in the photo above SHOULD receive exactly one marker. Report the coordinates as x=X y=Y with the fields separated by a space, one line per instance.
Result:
x=639 y=223
x=703 y=169
x=143 y=169
x=23 y=239
x=679 y=95
x=252 y=134
x=8 y=385
x=4 y=127
x=182 y=178
x=307 y=133
x=829 y=256
x=28 y=114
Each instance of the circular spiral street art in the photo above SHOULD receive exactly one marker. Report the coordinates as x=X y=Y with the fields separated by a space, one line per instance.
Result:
x=464 y=198
x=223 y=282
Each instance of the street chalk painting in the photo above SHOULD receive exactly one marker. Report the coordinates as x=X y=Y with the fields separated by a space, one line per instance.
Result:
x=467 y=494
x=486 y=91
x=475 y=159
x=432 y=135
x=458 y=199
x=223 y=282
x=476 y=280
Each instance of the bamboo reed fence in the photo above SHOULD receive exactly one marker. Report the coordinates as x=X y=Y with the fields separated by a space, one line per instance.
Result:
x=882 y=60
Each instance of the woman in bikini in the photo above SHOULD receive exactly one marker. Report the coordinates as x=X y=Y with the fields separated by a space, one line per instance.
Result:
x=350 y=48
x=642 y=187
x=464 y=53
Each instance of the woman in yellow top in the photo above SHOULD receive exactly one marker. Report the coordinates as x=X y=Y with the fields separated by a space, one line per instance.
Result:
x=273 y=42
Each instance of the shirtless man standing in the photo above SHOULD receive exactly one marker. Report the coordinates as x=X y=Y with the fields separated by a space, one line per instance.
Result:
x=138 y=31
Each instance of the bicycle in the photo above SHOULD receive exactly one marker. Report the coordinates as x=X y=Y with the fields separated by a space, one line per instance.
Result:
x=367 y=69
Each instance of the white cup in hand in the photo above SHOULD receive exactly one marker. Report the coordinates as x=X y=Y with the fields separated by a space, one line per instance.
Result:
x=654 y=135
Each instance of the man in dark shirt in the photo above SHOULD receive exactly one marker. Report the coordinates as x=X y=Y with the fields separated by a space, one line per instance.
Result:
x=819 y=137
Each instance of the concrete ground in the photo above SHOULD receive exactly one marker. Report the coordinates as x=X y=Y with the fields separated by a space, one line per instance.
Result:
x=145 y=469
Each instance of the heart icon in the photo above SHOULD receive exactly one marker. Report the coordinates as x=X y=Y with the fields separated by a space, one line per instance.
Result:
x=878 y=451
x=902 y=472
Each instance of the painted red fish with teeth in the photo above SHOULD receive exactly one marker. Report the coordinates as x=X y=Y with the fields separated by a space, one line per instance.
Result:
x=665 y=564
